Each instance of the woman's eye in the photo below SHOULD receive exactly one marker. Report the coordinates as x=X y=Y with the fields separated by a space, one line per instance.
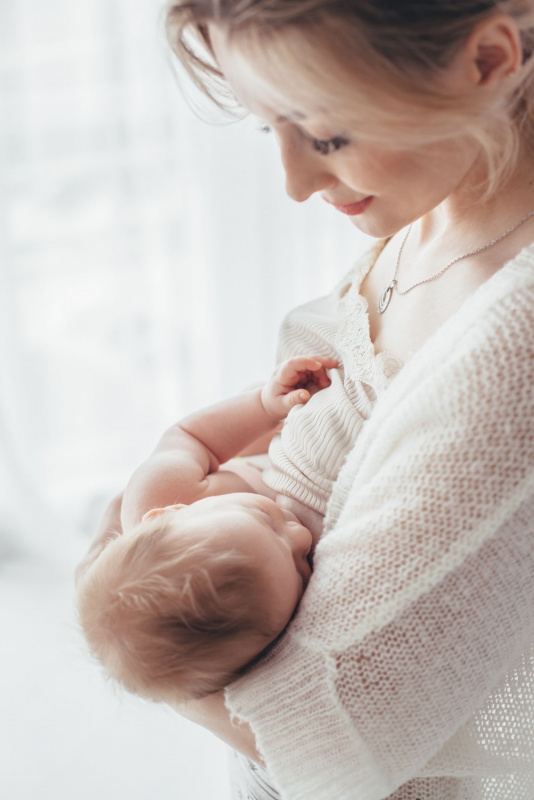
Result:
x=323 y=146
x=326 y=146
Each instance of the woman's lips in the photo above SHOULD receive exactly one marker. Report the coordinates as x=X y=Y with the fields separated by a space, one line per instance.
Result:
x=352 y=209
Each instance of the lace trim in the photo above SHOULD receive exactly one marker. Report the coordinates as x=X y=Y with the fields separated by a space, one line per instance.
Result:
x=353 y=339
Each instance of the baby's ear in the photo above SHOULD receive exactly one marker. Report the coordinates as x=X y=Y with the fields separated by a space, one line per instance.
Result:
x=154 y=512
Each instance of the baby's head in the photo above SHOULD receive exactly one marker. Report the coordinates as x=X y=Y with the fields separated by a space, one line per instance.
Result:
x=180 y=606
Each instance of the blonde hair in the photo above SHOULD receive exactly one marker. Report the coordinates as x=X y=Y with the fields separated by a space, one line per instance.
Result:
x=163 y=611
x=399 y=54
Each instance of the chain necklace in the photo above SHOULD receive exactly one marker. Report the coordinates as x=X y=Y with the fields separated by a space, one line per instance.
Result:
x=385 y=297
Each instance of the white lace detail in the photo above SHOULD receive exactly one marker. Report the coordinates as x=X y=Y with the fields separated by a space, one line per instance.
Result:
x=307 y=456
x=354 y=336
x=356 y=348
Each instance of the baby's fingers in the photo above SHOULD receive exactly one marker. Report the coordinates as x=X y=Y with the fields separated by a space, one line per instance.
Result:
x=317 y=377
x=300 y=366
x=292 y=368
x=296 y=398
x=326 y=361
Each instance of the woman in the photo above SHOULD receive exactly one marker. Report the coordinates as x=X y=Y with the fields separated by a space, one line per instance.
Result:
x=409 y=670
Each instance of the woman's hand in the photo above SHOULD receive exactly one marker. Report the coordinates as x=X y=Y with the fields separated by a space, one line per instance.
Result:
x=212 y=714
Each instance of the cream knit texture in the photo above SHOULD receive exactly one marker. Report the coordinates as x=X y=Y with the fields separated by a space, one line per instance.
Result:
x=305 y=458
x=408 y=671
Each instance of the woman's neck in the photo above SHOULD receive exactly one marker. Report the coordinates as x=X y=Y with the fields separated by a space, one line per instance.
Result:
x=458 y=222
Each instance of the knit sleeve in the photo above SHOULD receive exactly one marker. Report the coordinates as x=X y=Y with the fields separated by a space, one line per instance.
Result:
x=422 y=597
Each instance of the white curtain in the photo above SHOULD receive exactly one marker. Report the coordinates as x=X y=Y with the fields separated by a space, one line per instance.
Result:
x=147 y=257
x=146 y=261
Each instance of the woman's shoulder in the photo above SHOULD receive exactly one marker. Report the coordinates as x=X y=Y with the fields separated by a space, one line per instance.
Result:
x=502 y=309
x=494 y=324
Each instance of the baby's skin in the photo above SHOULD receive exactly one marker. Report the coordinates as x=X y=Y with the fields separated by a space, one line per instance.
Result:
x=194 y=479
x=209 y=566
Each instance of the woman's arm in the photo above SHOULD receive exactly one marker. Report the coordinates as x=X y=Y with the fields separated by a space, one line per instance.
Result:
x=412 y=646
x=211 y=713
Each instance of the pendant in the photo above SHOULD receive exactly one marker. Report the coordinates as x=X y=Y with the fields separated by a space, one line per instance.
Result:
x=385 y=297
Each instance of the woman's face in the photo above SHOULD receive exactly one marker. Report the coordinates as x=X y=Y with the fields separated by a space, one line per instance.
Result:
x=342 y=168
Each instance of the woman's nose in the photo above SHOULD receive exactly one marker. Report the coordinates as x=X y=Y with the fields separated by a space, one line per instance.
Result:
x=306 y=173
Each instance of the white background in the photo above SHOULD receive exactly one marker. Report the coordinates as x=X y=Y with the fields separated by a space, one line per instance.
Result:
x=147 y=258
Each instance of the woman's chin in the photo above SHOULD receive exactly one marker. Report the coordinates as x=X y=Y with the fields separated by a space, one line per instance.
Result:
x=377 y=228
x=369 y=226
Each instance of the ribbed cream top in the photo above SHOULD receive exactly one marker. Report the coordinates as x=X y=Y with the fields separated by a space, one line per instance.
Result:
x=307 y=455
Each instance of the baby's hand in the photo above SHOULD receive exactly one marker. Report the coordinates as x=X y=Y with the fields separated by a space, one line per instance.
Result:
x=294 y=382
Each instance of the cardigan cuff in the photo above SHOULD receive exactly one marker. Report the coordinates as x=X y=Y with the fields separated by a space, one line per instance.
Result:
x=328 y=758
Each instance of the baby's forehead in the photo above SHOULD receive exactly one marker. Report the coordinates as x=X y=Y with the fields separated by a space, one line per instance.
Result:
x=224 y=513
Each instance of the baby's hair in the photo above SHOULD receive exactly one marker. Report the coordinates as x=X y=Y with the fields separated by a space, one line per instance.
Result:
x=397 y=53
x=162 y=611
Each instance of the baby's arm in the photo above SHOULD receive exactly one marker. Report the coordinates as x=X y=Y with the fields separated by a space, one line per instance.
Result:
x=184 y=467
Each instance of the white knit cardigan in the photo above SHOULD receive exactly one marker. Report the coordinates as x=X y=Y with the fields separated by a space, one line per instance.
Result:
x=409 y=668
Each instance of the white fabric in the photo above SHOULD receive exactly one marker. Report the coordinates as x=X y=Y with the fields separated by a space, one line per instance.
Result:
x=249 y=781
x=409 y=668
x=143 y=269
x=316 y=438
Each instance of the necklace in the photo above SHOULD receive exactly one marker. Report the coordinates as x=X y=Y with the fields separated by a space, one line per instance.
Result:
x=385 y=297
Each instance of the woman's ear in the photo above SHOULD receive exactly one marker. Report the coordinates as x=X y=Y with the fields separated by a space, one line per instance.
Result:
x=495 y=49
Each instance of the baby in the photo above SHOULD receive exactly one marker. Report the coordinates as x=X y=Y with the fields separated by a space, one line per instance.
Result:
x=210 y=568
